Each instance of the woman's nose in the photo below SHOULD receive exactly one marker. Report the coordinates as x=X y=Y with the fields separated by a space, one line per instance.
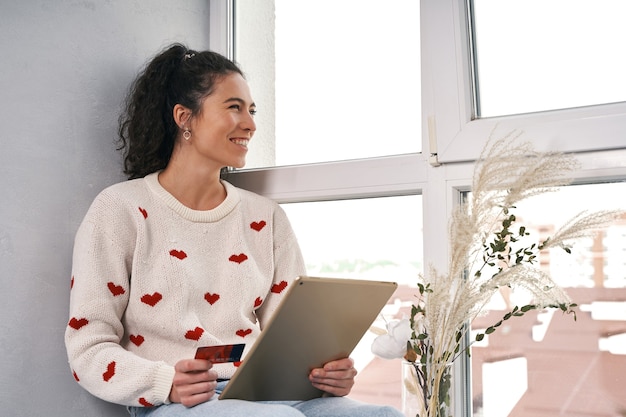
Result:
x=249 y=124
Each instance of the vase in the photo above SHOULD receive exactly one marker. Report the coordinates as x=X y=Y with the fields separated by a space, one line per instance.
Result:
x=417 y=389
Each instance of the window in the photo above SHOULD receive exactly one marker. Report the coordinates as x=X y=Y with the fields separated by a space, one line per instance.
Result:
x=449 y=98
x=338 y=85
x=371 y=238
x=344 y=130
x=537 y=55
x=546 y=360
x=350 y=90
x=448 y=129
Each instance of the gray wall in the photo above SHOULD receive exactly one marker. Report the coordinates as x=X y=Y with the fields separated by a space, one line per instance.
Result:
x=64 y=68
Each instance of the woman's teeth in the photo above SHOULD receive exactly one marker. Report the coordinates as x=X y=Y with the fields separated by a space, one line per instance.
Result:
x=242 y=142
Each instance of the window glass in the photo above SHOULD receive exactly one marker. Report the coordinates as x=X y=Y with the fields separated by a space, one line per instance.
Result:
x=375 y=238
x=546 y=360
x=372 y=238
x=537 y=55
x=347 y=80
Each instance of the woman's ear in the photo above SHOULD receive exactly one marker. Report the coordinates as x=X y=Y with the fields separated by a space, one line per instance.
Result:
x=181 y=115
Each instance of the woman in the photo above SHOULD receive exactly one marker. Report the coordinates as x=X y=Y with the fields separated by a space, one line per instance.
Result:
x=177 y=258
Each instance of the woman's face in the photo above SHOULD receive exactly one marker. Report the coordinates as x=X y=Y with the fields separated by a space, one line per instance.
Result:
x=222 y=130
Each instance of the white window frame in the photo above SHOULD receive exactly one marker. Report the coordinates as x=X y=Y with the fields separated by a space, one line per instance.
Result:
x=447 y=97
x=451 y=139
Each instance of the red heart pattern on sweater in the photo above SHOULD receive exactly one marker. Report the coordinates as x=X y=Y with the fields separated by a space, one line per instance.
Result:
x=137 y=340
x=194 y=334
x=110 y=372
x=178 y=254
x=151 y=299
x=280 y=287
x=211 y=298
x=238 y=258
x=115 y=289
x=258 y=225
x=75 y=376
x=78 y=323
x=145 y=402
x=237 y=364
x=243 y=333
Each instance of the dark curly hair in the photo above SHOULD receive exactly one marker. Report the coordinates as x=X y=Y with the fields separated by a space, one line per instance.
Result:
x=177 y=75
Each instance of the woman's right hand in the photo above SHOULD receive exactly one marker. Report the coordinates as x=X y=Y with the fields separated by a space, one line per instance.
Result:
x=194 y=382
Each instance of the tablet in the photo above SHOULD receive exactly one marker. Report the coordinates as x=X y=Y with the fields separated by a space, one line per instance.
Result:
x=319 y=320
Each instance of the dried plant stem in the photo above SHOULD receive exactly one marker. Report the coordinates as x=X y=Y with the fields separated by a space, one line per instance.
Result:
x=486 y=237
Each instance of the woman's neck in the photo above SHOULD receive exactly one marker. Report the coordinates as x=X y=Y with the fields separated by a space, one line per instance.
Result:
x=196 y=189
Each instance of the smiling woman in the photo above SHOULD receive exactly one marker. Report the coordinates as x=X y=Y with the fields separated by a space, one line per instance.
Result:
x=150 y=127
x=216 y=135
x=209 y=262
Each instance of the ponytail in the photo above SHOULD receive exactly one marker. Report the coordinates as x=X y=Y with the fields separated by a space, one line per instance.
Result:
x=147 y=130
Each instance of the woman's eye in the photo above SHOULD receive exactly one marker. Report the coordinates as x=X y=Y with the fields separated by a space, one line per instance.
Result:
x=235 y=106
x=253 y=112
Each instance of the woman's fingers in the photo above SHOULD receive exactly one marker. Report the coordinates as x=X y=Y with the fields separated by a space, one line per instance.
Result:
x=335 y=378
x=194 y=382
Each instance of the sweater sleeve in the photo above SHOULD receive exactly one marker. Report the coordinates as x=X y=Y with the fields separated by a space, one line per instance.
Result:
x=100 y=287
x=288 y=264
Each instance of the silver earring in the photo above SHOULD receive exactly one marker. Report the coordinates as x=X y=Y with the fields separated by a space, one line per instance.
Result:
x=187 y=134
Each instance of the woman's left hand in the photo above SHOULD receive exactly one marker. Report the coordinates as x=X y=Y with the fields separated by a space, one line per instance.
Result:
x=335 y=378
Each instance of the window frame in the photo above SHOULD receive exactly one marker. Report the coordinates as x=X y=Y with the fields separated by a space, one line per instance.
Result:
x=452 y=139
x=447 y=88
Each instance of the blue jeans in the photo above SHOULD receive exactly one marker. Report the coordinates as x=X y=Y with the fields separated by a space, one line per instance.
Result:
x=320 y=407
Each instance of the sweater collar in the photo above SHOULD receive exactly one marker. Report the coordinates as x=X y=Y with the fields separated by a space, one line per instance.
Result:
x=200 y=216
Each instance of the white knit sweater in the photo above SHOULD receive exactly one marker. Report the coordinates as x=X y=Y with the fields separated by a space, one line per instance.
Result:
x=152 y=280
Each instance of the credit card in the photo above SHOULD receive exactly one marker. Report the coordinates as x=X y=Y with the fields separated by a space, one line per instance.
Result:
x=221 y=353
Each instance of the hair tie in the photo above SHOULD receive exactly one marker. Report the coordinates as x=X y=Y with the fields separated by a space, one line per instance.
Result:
x=189 y=55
